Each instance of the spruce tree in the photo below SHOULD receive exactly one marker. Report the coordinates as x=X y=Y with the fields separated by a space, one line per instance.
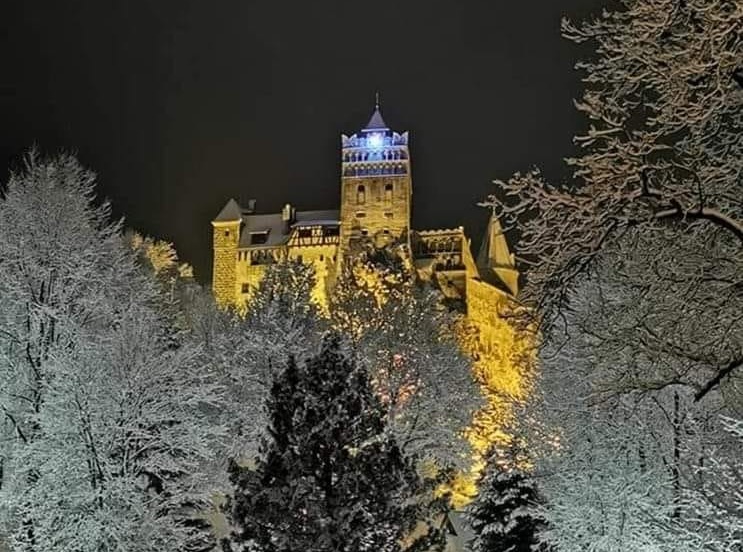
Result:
x=505 y=514
x=329 y=477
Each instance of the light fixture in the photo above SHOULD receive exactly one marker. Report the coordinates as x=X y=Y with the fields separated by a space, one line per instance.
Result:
x=375 y=140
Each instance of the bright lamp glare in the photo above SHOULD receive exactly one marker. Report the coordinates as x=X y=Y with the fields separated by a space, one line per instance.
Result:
x=375 y=140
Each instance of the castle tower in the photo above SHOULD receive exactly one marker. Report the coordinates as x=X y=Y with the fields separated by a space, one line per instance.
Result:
x=376 y=185
x=225 y=240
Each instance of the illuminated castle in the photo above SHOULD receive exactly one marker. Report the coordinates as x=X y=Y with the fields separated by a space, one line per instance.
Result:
x=375 y=204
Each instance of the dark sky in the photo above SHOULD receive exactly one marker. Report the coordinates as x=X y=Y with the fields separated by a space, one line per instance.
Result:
x=180 y=104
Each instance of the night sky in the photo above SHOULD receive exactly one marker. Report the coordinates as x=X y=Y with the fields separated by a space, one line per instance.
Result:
x=180 y=105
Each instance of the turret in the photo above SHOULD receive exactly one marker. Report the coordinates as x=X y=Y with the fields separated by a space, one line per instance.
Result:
x=226 y=237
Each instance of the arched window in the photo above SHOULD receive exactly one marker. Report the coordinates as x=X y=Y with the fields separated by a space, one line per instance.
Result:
x=361 y=194
x=388 y=193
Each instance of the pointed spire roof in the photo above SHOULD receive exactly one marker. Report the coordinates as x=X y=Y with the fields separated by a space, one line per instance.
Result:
x=230 y=212
x=376 y=122
x=494 y=251
x=495 y=262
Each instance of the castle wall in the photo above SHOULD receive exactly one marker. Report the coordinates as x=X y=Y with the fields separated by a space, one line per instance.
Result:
x=324 y=260
x=385 y=215
x=248 y=275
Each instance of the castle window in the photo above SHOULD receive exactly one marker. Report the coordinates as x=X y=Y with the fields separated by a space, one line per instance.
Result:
x=360 y=214
x=388 y=215
x=299 y=258
x=226 y=233
x=361 y=194
x=257 y=238
x=386 y=231
x=322 y=258
x=364 y=232
x=245 y=288
x=388 y=193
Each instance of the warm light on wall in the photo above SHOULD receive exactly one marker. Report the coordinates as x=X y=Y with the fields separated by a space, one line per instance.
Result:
x=504 y=364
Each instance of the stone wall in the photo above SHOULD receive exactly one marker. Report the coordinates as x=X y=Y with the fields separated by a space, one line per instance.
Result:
x=322 y=258
x=367 y=204
x=225 y=237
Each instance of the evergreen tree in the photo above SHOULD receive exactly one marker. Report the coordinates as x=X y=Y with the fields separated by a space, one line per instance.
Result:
x=330 y=478
x=505 y=514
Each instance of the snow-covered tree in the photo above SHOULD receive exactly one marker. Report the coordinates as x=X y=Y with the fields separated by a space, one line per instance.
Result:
x=246 y=349
x=635 y=277
x=105 y=425
x=662 y=156
x=623 y=434
x=506 y=515
x=281 y=315
x=160 y=259
x=329 y=477
x=715 y=504
x=405 y=337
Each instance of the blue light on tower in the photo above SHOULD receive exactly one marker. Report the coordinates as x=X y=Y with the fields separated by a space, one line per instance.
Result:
x=375 y=140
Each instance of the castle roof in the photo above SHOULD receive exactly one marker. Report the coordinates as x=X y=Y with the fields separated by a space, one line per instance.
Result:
x=376 y=122
x=273 y=226
x=494 y=249
x=495 y=262
x=231 y=212
x=491 y=276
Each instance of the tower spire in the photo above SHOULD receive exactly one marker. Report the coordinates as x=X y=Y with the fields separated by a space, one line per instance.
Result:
x=495 y=258
x=376 y=123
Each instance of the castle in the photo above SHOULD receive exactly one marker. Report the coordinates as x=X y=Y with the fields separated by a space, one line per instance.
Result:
x=375 y=204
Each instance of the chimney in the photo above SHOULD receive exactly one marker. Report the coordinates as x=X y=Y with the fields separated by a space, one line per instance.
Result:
x=287 y=217
x=251 y=206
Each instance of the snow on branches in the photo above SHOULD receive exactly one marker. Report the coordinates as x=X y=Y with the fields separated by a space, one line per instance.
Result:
x=664 y=102
x=104 y=410
x=404 y=337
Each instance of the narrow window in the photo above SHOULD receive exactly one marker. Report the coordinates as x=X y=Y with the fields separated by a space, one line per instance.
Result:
x=361 y=194
x=388 y=193
x=246 y=288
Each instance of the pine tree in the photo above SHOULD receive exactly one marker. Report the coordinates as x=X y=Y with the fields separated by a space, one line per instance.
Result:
x=505 y=515
x=329 y=477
